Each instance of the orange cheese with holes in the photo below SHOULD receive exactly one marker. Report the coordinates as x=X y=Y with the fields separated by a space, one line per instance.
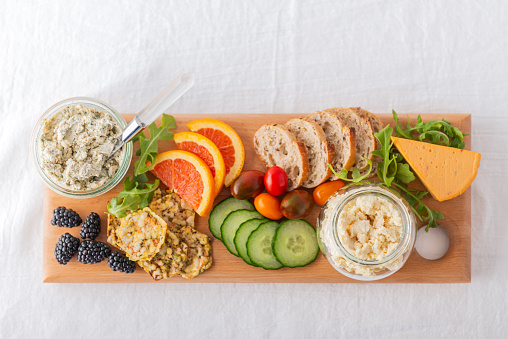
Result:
x=446 y=172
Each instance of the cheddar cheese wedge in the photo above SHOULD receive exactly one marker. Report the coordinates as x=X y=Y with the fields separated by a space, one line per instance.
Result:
x=446 y=172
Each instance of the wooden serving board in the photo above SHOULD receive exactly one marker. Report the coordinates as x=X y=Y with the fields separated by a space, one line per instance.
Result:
x=454 y=267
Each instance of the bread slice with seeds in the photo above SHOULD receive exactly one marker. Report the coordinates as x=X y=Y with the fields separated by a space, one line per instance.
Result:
x=365 y=141
x=377 y=125
x=340 y=136
x=319 y=151
x=375 y=122
x=276 y=146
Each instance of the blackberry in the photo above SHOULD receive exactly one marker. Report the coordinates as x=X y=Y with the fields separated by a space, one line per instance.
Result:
x=63 y=217
x=93 y=252
x=119 y=262
x=65 y=248
x=91 y=227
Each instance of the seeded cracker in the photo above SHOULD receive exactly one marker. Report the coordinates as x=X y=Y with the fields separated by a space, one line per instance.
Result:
x=185 y=251
x=140 y=234
x=169 y=261
x=175 y=212
x=199 y=252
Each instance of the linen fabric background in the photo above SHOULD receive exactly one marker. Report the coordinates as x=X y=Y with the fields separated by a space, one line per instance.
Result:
x=254 y=57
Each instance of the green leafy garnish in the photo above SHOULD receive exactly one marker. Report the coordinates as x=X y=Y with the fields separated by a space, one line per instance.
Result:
x=148 y=146
x=143 y=190
x=439 y=132
x=395 y=174
x=118 y=206
x=137 y=192
x=356 y=175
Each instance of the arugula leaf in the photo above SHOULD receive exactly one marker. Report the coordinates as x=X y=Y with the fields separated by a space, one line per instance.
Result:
x=356 y=175
x=395 y=173
x=137 y=192
x=399 y=132
x=435 y=131
x=148 y=146
x=388 y=169
x=135 y=188
x=119 y=209
x=404 y=174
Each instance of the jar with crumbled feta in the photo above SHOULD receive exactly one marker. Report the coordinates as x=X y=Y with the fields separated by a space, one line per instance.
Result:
x=367 y=232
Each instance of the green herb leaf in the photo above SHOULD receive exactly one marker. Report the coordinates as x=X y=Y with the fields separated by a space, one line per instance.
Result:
x=395 y=174
x=388 y=168
x=356 y=175
x=119 y=209
x=404 y=174
x=149 y=146
x=137 y=192
x=435 y=132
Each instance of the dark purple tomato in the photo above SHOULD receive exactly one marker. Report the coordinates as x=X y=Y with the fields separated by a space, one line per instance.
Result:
x=248 y=185
x=297 y=204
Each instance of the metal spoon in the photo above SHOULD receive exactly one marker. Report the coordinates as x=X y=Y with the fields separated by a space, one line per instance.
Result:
x=150 y=113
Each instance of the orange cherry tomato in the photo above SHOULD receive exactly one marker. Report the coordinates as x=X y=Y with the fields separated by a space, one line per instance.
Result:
x=268 y=206
x=324 y=191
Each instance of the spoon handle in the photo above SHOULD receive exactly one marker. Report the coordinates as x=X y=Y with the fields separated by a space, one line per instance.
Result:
x=150 y=113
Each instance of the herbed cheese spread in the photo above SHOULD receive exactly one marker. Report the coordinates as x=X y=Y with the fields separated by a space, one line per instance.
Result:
x=74 y=145
x=370 y=228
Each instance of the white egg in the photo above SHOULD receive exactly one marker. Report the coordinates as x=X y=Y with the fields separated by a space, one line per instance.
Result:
x=433 y=244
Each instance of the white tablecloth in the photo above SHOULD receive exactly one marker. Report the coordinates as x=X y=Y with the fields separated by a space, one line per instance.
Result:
x=253 y=57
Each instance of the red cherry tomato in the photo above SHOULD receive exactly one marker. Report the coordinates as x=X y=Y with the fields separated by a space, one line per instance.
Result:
x=268 y=206
x=249 y=184
x=297 y=204
x=276 y=181
x=324 y=191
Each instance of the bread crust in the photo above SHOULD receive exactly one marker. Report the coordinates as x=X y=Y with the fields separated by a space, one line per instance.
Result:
x=320 y=149
x=375 y=122
x=297 y=147
x=344 y=156
x=364 y=137
x=377 y=125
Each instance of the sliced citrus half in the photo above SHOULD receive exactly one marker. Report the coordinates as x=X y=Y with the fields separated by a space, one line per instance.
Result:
x=187 y=175
x=227 y=140
x=207 y=151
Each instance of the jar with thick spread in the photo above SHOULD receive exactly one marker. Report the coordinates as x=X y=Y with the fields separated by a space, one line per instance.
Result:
x=367 y=232
x=71 y=144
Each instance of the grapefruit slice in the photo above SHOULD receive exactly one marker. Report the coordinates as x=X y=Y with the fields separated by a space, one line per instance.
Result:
x=227 y=140
x=187 y=175
x=207 y=151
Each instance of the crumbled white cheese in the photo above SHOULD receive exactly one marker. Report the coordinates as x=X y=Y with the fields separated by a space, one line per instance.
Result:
x=75 y=144
x=370 y=228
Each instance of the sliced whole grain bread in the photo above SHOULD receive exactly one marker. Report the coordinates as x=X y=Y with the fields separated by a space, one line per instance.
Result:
x=319 y=151
x=375 y=122
x=365 y=141
x=340 y=136
x=276 y=146
x=377 y=125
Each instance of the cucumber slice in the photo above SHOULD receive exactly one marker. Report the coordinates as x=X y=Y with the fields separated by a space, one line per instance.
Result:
x=321 y=245
x=295 y=243
x=242 y=235
x=231 y=224
x=221 y=211
x=259 y=246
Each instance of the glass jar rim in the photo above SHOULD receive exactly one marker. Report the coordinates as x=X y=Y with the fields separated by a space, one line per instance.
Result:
x=407 y=215
x=35 y=149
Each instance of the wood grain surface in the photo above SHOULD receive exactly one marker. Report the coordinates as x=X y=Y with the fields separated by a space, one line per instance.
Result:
x=454 y=267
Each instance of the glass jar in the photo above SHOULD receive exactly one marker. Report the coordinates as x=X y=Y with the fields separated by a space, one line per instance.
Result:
x=346 y=262
x=36 y=154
